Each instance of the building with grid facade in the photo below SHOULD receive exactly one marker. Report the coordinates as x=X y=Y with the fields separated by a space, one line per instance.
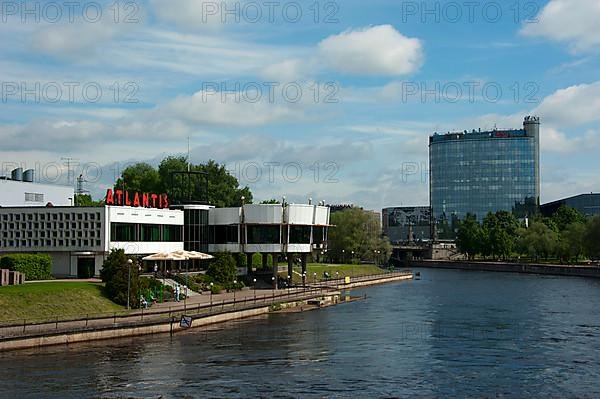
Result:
x=481 y=172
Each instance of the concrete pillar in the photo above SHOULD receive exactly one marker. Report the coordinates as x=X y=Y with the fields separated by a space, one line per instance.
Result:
x=4 y=277
x=303 y=259
x=290 y=269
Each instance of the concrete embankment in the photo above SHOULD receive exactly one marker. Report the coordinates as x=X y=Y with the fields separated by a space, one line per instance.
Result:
x=61 y=333
x=551 y=270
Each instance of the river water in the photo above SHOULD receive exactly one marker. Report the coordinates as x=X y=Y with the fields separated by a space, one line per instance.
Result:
x=449 y=334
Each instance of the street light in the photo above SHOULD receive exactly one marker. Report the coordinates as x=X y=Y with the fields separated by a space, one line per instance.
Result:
x=352 y=261
x=304 y=280
x=211 y=293
x=129 y=263
x=234 y=289
x=273 y=285
x=254 y=281
x=315 y=276
x=343 y=256
x=289 y=283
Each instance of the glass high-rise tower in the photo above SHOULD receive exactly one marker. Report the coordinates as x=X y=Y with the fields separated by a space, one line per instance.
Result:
x=481 y=172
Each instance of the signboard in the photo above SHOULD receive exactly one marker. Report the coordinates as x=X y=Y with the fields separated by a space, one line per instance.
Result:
x=185 y=322
x=137 y=200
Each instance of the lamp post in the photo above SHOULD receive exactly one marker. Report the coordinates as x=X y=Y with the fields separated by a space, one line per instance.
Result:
x=352 y=261
x=234 y=289
x=254 y=281
x=315 y=277
x=343 y=256
x=129 y=263
x=273 y=285
x=211 y=293
x=289 y=283
x=304 y=280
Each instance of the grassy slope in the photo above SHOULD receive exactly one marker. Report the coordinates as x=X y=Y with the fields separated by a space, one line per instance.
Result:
x=343 y=270
x=47 y=301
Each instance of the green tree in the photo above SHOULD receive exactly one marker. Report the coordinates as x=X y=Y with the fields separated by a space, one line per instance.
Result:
x=469 y=237
x=572 y=241
x=359 y=231
x=270 y=202
x=538 y=240
x=592 y=238
x=499 y=233
x=116 y=273
x=87 y=200
x=223 y=189
x=140 y=177
x=566 y=216
x=222 y=268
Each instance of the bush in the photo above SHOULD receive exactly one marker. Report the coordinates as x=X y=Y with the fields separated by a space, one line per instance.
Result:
x=242 y=261
x=116 y=274
x=34 y=267
x=257 y=261
x=223 y=268
x=270 y=260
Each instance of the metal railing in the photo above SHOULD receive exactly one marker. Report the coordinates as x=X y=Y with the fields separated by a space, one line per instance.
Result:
x=101 y=321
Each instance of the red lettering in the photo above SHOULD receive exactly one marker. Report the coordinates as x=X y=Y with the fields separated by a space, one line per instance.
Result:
x=127 y=200
x=110 y=200
x=145 y=200
x=154 y=197
x=166 y=201
x=119 y=194
x=136 y=200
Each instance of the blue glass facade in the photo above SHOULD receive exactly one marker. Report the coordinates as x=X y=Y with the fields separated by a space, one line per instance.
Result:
x=482 y=172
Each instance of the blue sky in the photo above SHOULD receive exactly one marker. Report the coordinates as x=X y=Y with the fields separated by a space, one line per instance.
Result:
x=148 y=88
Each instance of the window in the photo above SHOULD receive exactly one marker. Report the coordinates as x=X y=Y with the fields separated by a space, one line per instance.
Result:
x=300 y=234
x=150 y=232
x=33 y=197
x=263 y=234
x=123 y=232
x=172 y=233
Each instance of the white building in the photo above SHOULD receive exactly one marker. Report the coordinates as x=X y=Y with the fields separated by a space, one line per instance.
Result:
x=287 y=230
x=20 y=190
x=79 y=239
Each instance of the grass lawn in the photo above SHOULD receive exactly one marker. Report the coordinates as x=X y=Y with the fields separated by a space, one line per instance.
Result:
x=47 y=301
x=343 y=270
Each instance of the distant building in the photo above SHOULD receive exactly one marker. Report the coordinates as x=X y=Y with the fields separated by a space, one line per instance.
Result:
x=587 y=204
x=481 y=172
x=409 y=223
x=21 y=190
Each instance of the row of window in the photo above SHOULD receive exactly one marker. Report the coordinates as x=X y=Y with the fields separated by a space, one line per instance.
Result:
x=135 y=232
x=50 y=243
x=270 y=234
x=57 y=216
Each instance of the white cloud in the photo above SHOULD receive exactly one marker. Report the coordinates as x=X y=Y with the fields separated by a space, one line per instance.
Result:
x=377 y=50
x=195 y=14
x=569 y=21
x=572 y=106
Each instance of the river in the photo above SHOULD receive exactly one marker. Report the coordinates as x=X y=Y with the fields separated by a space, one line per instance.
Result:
x=449 y=334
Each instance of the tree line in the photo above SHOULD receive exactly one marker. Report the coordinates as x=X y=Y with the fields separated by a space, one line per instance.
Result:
x=223 y=189
x=567 y=236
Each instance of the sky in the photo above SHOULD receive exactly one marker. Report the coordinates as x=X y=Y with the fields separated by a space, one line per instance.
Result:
x=330 y=100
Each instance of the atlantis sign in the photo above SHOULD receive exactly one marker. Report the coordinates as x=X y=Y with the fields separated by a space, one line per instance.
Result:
x=137 y=200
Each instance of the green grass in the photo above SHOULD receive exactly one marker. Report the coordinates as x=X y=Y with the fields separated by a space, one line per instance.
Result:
x=48 y=301
x=343 y=270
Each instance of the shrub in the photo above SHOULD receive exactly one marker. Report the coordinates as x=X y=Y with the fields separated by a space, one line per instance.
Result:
x=270 y=260
x=242 y=261
x=223 y=268
x=116 y=273
x=34 y=266
x=257 y=261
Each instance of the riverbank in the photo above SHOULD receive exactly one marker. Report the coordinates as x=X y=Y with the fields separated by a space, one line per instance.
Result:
x=551 y=270
x=166 y=318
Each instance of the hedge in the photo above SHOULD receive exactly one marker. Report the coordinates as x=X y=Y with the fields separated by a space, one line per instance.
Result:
x=35 y=267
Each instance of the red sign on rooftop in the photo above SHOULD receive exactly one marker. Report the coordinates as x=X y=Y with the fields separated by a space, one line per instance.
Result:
x=136 y=199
